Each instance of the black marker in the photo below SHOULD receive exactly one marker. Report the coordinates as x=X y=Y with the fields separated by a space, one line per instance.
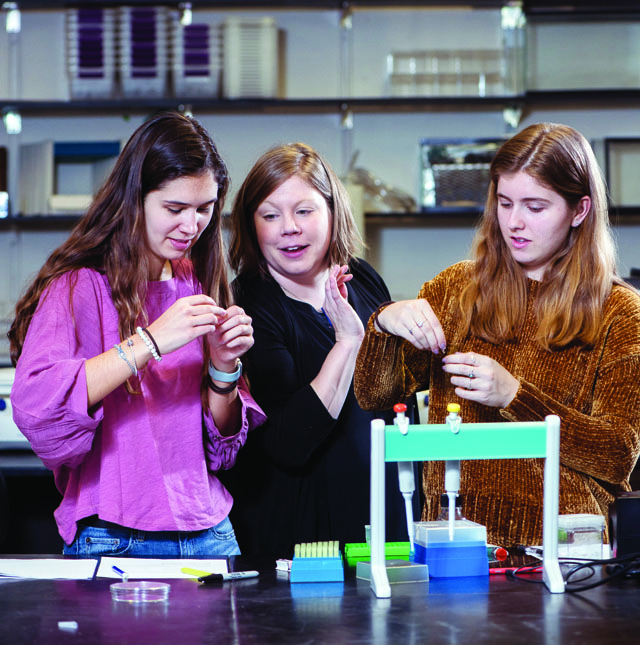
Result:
x=223 y=577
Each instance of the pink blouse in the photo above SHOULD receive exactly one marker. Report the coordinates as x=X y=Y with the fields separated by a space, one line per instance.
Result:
x=145 y=461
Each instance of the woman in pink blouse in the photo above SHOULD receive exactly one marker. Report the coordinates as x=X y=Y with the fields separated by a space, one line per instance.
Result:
x=127 y=349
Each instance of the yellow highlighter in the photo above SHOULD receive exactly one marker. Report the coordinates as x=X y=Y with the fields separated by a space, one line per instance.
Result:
x=196 y=573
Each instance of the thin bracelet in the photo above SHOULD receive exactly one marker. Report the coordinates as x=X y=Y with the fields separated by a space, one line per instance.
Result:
x=222 y=390
x=123 y=356
x=133 y=355
x=377 y=312
x=153 y=340
x=150 y=346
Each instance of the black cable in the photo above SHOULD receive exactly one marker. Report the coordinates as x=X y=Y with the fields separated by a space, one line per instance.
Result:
x=615 y=568
x=627 y=565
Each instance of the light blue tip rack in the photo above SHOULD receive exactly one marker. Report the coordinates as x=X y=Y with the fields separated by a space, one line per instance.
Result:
x=317 y=562
x=436 y=442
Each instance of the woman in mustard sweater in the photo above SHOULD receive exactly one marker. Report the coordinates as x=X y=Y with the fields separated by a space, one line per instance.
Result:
x=537 y=323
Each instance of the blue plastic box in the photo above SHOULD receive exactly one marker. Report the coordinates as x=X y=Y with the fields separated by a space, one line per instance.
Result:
x=465 y=556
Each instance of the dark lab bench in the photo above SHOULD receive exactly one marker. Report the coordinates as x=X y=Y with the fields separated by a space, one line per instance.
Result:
x=269 y=609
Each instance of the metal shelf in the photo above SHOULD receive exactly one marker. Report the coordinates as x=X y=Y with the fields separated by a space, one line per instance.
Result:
x=40 y=222
x=436 y=216
x=577 y=97
x=442 y=216
x=338 y=5
x=531 y=7
x=552 y=10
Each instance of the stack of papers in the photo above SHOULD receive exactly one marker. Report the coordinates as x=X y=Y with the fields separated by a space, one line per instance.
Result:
x=85 y=569
x=48 y=569
x=139 y=568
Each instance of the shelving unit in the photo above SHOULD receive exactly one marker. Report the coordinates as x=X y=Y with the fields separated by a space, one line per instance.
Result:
x=344 y=107
x=529 y=99
x=340 y=106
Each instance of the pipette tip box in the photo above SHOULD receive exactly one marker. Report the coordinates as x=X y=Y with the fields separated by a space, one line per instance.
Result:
x=397 y=571
x=317 y=562
x=581 y=535
x=356 y=551
x=465 y=555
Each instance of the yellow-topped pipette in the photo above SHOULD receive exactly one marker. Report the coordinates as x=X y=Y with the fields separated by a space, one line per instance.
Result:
x=452 y=468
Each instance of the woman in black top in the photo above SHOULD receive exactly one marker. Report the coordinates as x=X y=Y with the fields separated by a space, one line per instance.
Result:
x=304 y=475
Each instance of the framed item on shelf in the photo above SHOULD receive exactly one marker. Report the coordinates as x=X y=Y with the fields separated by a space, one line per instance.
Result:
x=455 y=172
x=622 y=160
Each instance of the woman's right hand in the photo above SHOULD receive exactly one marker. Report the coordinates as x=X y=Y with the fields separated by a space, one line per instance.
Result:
x=346 y=323
x=187 y=318
x=415 y=321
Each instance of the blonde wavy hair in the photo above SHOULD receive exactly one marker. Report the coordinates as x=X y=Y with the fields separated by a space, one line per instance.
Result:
x=578 y=279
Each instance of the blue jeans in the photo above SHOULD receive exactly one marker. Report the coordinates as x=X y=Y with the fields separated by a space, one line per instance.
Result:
x=91 y=542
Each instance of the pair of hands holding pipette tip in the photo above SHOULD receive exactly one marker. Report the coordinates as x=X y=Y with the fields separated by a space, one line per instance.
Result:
x=477 y=377
x=346 y=322
x=229 y=331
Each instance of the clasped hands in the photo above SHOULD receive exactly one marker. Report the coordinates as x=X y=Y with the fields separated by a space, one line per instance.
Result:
x=477 y=377
x=229 y=331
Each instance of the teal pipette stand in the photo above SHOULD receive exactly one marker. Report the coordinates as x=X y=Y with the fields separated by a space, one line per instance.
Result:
x=436 y=442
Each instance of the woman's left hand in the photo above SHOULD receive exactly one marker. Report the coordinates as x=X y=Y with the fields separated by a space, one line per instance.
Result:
x=480 y=378
x=232 y=337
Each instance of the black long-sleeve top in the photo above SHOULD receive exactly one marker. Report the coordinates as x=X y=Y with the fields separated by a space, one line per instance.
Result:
x=303 y=476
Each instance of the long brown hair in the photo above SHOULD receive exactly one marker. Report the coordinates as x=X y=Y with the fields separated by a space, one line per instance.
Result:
x=578 y=279
x=270 y=171
x=111 y=236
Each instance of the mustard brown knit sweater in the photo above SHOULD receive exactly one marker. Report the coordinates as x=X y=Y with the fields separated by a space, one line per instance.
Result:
x=595 y=392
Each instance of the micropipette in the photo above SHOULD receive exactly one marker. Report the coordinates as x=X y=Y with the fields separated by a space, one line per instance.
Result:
x=406 y=479
x=452 y=468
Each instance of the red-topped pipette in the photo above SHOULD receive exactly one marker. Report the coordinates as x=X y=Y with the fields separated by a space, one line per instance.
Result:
x=406 y=479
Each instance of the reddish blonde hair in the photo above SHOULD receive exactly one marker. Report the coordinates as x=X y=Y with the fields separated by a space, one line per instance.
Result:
x=580 y=276
x=271 y=170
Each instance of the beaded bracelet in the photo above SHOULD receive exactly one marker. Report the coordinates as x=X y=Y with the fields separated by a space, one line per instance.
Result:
x=377 y=312
x=150 y=346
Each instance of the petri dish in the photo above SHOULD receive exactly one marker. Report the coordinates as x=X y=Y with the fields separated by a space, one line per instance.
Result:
x=140 y=591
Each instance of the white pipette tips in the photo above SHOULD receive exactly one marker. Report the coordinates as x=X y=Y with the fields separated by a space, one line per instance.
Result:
x=452 y=514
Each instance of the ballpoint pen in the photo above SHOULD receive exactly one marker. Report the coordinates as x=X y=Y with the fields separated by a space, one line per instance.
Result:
x=121 y=573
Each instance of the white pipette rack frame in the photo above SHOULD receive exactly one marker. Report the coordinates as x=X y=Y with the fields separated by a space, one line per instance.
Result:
x=436 y=442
